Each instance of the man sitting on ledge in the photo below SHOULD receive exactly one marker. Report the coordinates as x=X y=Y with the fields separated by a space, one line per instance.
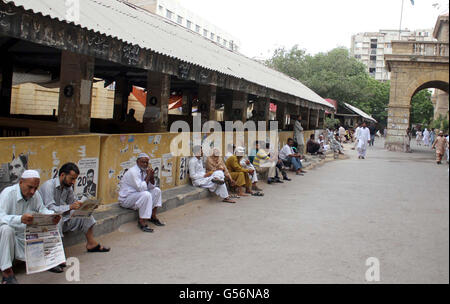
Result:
x=312 y=146
x=17 y=205
x=138 y=192
x=289 y=157
x=212 y=180
x=58 y=196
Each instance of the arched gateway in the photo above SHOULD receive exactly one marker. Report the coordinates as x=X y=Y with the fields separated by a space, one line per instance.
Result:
x=415 y=66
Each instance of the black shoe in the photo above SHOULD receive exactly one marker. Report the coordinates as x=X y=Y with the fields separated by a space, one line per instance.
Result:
x=157 y=222
x=269 y=181
x=9 y=280
x=56 y=269
x=287 y=178
x=277 y=180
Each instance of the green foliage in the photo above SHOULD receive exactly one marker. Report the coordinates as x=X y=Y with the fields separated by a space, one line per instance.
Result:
x=335 y=75
x=422 y=108
x=331 y=123
x=441 y=123
x=339 y=76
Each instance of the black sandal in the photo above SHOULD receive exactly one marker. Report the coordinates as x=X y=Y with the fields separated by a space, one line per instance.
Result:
x=99 y=249
x=145 y=228
x=56 y=269
x=257 y=194
x=9 y=280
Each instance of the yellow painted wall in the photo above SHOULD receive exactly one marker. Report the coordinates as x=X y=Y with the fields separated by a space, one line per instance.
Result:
x=48 y=154
x=108 y=155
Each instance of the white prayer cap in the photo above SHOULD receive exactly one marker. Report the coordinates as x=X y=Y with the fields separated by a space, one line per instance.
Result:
x=240 y=151
x=143 y=155
x=30 y=174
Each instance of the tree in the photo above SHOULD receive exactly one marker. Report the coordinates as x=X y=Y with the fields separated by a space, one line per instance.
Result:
x=334 y=74
x=422 y=108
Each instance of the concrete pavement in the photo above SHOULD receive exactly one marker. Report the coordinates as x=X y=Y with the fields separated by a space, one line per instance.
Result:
x=319 y=228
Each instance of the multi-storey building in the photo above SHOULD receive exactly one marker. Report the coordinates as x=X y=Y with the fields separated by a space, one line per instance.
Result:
x=370 y=48
x=172 y=10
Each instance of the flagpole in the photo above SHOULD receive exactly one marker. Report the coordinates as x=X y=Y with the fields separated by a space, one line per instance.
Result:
x=401 y=17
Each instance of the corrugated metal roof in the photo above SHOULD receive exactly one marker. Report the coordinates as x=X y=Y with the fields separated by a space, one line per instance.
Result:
x=136 y=26
x=360 y=112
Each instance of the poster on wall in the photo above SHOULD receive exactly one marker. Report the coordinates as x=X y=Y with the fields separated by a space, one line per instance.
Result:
x=86 y=185
x=11 y=172
x=167 y=166
x=183 y=168
x=156 y=165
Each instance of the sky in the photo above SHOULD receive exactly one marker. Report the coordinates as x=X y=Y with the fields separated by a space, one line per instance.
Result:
x=315 y=25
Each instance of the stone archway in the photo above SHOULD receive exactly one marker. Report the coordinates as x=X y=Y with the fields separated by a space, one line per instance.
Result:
x=407 y=78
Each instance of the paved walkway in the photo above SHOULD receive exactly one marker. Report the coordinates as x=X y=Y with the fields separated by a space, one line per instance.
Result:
x=319 y=228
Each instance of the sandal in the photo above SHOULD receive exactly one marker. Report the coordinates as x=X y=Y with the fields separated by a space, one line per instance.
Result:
x=56 y=269
x=9 y=280
x=228 y=200
x=99 y=248
x=257 y=194
x=234 y=196
x=145 y=228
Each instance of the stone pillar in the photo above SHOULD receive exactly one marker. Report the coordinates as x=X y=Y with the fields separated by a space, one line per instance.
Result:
x=156 y=115
x=75 y=94
x=308 y=119
x=262 y=107
x=239 y=106
x=6 y=89
x=441 y=106
x=281 y=115
x=228 y=110
x=207 y=102
x=321 y=119
x=121 y=94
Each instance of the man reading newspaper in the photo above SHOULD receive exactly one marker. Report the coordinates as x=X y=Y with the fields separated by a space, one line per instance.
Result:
x=58 y=196
x=18 y=203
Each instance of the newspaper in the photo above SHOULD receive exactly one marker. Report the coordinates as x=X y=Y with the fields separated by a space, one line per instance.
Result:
x=86 y=209
x=43 y=244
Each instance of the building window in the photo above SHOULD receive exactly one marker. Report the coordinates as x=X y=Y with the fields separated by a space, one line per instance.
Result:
x=358 y=56
x=373 y=58
x=212 y=36
x=161 y=9
x=218 y=39
x=189 y=24
x=205 y=33
x=197 y=28
x=388 y=45
x=225 y=43
x=179 y=19
x=169 y=14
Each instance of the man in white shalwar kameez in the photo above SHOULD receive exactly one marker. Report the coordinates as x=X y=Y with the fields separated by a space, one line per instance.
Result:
x=426 y=137
x=363 y=141
x=138 y=192
x=213 y=181
x=18 y=203
x=358 y=128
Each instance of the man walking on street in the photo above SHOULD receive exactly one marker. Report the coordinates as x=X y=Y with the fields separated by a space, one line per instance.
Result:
x=373 y=131
x=363 y=141
x=441 y=145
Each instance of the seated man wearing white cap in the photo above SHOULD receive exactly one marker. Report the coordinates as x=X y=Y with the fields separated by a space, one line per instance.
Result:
x=18 y=203
x=138 y=192
x=58 y=196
